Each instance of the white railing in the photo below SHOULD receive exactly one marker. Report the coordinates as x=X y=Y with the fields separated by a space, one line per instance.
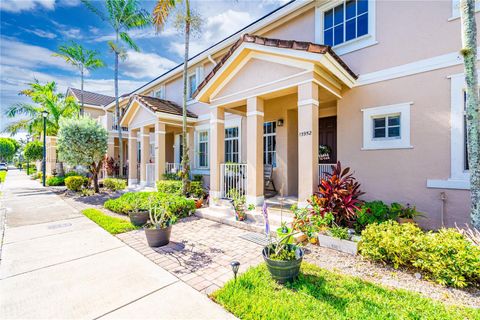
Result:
x=233 y=176
x=323 y=169
x=150 y=174
x=173 y=167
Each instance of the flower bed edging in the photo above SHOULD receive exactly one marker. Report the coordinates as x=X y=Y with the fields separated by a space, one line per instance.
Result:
x=341 y=245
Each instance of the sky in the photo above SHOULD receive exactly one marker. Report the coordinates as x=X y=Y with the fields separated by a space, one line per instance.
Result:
x=32 y=30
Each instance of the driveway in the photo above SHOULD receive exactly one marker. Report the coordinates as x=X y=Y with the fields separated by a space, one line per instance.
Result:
x=55 y=263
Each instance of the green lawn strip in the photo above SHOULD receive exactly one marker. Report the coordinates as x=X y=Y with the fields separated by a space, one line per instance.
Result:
x=111 y=224
x=321 y=294
x=3 y=174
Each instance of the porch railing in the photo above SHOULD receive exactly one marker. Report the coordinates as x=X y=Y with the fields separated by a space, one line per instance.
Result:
x=233 y=176
x=323 y=169
x=173 y=167
x=150 y=174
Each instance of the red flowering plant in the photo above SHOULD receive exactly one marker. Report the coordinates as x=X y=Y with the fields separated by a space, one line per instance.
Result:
x=339 y=195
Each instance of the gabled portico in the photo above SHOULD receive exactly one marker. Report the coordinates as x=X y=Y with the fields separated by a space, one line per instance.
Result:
x=280 y=87
x=152 y=124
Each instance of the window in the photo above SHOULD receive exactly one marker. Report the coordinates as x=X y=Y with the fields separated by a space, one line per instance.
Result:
x=345 y=22
x=232 y=149
x=386 y=127
x=192 y=85
x=269 y=143
x=160 y=93
x=202 y=161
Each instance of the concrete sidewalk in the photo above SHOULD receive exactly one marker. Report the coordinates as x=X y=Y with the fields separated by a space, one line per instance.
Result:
x=56 y=264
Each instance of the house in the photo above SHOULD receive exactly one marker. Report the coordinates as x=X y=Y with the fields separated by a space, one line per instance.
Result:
x=377 y=85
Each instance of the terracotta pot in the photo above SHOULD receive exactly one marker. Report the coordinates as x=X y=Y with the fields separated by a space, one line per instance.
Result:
x=198 y=203
x=405 y=220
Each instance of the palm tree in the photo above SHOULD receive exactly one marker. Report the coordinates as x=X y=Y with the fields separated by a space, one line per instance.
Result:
x=469 y=52
x=188 y=21
x=46 y=98
x=83 y=59
x=122 y=16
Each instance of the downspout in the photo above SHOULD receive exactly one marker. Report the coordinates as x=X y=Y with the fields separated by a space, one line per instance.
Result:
x=443 y=198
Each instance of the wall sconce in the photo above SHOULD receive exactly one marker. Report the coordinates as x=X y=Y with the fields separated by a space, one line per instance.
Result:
x=280 y=123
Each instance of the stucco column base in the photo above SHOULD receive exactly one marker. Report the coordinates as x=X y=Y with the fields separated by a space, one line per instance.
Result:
x=257 y=201
x=217 y=148
x=307 y=140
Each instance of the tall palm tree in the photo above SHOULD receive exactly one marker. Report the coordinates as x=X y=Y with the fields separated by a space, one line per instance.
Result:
x=469 y=52
x=188 y=21
x=122 y=16
x=46 y=98
x=83 y=59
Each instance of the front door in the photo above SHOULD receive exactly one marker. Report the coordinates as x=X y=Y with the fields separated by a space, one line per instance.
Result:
x=327 y=139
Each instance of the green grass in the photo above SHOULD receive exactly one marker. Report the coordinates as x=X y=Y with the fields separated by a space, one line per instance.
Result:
x=321 y=294
x=3 y=174
x=111 y=224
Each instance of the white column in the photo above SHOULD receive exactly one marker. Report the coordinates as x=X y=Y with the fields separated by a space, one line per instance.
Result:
x=307 y=140
x=217 y=152
x=255 y=117
x=144 y=154
x=159 y=150
x=132 y=158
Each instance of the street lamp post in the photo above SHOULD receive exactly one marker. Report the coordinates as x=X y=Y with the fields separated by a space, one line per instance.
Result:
x=44 y=162
x=28 y=160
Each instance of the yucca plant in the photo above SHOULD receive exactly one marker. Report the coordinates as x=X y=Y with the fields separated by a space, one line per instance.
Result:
x=338 y=194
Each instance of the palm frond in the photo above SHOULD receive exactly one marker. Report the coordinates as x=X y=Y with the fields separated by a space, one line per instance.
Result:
x=94 y=9
x=129 y=41
x=161 y=12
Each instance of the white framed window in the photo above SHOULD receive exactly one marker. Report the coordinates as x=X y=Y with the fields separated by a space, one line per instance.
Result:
x=387 y=127
x=202 y=149
x=159 y=93
x=191 y=85
x=346 y=25
x=269 y=143
x=456 y=9
x=459 y=176
x=232 y=144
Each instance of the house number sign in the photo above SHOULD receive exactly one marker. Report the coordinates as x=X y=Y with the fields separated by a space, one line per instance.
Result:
x=305 y=133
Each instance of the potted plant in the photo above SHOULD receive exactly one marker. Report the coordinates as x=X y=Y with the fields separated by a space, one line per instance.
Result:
x=159 y=226
x=405 y=214
x=283 y=259
x=238 y=202
x=138 y=216
x=283 y=230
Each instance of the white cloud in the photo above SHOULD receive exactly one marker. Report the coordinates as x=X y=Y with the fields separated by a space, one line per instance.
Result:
x=16 y=53
x=68 y=31
x=26 y=5
x=148 y=33
x=142 y=65
x=41 y=33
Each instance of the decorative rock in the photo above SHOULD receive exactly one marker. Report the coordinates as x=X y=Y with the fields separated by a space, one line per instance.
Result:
x=418 y=275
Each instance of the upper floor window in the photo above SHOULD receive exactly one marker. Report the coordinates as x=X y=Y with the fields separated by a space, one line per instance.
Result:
x=345 y=22
x=160 y=93
x=192 y=85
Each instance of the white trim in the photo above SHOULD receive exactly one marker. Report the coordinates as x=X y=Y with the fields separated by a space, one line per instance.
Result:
x=235 y=122
x=403 y=142
x=420 y=66
x=352 y=45
x=255 y=113
x=213 y=121
x=160 y=132
x=306 y=102
x=163 y=115
x=257 y=201
x=203 y=117
x=198 y=130
x=456 y=9
x=449 y=184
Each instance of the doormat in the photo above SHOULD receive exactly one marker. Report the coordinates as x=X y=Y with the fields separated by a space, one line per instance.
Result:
x=254 y=237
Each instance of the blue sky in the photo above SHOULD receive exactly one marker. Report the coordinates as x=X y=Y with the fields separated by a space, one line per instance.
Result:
x=32 y=30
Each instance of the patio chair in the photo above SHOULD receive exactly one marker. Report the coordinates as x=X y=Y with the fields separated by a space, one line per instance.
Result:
x=268 y=183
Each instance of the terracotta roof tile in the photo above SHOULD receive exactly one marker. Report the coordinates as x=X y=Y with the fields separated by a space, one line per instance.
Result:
x=92 y=98
x=278 y=43
x=161 y=105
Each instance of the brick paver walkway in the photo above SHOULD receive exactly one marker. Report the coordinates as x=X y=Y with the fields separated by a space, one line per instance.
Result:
x=200 y=252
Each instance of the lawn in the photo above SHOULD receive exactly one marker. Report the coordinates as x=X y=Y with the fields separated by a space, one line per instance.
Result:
x=3 y=174
x=321 y=294
x=111 y=224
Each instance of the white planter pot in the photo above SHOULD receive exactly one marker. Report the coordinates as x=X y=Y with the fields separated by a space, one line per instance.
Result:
x=341 y=245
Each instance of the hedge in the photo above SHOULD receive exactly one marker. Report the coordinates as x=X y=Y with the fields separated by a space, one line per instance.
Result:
x=75 y=183
x=175 y=187
x=444 y=256
x=114 y=184
x=55 y=181
x=178 y=205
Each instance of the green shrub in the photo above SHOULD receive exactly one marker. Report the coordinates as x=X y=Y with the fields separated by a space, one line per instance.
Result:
x=55 y=181
x=372 y=212
x=72 y=173
x=178 y=205
x=111 y=224
x=37 y=175
x=175 y=187
x=339 y=232
x=75 y=183
x=114 y=184
x=445 y=256
x=171 y=176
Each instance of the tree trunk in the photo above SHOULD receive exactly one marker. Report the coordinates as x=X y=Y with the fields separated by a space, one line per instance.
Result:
x=469 y=52
x=185 y=159
x=81 y=94
x=95 y=169
x=117 y=111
